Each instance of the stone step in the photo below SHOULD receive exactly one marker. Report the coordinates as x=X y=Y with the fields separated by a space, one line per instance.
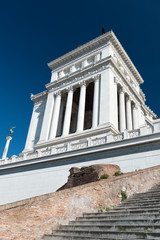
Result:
x=142 y=199
x=63 y=237
x=108 y=234
x=114 y=222
x=125 y=212
x=120 y=217
x=118 y=227
x=149 y=201
x=137 y=218
x=146 y=195
x=133 y=207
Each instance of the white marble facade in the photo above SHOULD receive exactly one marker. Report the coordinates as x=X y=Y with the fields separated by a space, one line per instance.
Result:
x=92 y=87
x=92 y=112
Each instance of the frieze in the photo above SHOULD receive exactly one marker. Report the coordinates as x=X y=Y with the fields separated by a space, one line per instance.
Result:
x=99 y=141
x=134 y=133
x=118 y=137
x=46 y=153
x=81 y=75
x=61 y=149
x=79 y=145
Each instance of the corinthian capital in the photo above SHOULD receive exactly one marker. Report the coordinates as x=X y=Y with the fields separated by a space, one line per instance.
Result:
x=58 y=93
x=121 y=90
x=83 y=83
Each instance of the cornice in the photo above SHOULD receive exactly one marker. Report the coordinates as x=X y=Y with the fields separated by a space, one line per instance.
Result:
x=38 y=96
x=148 y=110
x=109 y=36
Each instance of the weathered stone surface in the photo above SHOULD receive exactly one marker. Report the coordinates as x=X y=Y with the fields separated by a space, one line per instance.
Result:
x=80 y=176
x=30 y=219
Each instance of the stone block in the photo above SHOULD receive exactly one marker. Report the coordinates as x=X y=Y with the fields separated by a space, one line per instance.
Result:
x=80 y=176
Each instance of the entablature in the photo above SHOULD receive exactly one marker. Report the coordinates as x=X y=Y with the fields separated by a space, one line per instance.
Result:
x=89 y=72
x=124 y=68
x=95 y=43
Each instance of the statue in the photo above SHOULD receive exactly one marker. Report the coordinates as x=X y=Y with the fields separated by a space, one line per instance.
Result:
x=11 y=130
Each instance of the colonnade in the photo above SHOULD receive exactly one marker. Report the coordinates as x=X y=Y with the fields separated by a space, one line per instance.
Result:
x=54 y=102
x=58 y=114
x=128 y=111
x=125 y=110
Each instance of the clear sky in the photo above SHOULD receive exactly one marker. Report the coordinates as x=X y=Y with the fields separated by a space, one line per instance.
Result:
x=35 y=32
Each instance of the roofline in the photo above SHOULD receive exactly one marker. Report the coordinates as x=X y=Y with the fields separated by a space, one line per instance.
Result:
x=102 y=38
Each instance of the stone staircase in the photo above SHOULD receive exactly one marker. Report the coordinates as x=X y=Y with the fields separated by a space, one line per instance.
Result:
x=136 y=218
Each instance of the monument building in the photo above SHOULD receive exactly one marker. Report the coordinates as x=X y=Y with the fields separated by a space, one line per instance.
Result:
x=93 y=111
x=94 y=90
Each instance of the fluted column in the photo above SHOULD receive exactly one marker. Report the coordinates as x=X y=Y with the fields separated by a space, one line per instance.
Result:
x=115 y=104
x=129 y=113
x=67 y=118
x=95 y=102
x=122 y=110
x=81 y=107
x=60 y=119
x=135 y=117
x=55 y=116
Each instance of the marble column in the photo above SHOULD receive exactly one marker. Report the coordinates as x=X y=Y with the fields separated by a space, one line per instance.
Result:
x=129 y=113
x=81 y=107
x=95 y=102
x=115 y=104
x=60 y=119
x=68 y=111
x=135 y=117
x=47 y=117
x=55 y=117
x=122 y=110
x=9 y=138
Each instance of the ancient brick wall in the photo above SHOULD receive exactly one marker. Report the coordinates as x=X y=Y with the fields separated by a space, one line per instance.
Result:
x=32 y=218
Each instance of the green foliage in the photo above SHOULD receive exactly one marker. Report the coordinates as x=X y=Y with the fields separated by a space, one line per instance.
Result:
x=124 y=196
x=122 y=229
x=107 y=209
x=104 y=176
x=118 y=174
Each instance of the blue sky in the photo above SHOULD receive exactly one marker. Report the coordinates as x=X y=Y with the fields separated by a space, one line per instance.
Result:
x=34 y=32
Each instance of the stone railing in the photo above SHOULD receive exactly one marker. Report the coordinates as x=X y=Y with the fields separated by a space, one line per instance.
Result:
x=91 y=141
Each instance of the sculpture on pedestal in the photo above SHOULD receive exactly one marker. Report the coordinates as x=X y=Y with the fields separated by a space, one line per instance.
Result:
x=8 y=138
